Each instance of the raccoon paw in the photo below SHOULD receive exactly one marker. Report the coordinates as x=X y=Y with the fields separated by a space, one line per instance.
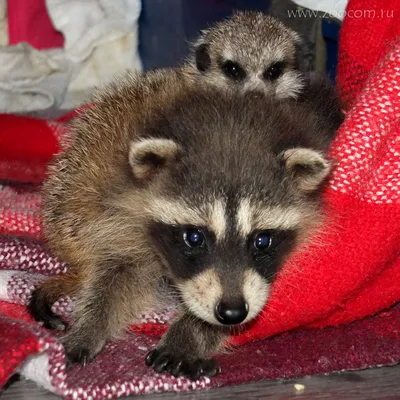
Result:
x=42 y=312
x=162 y=361
x=55 y=323
x=81 y=352
x=79 y=356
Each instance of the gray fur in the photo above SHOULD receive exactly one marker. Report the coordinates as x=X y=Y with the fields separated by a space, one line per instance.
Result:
x=255 y=41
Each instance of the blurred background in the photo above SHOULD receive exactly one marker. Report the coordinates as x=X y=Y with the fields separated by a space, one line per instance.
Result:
x=54 y=52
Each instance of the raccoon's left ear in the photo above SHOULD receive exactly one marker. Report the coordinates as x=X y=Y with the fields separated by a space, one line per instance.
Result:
x=148 y=156
x=308 y=168
x=201 y=54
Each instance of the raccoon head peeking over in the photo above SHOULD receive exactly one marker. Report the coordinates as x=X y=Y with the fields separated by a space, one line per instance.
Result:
x=250 y=51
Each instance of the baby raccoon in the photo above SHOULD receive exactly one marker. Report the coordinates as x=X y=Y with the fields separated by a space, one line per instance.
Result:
x=250 y=51
x=164 y=180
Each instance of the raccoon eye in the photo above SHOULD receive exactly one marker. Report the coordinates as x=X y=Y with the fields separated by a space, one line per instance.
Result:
x=194 y=237
x=262 y=241
x=233 y=70
x=274 y=71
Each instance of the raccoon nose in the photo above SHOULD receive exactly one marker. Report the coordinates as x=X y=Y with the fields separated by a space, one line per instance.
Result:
x=231 y=314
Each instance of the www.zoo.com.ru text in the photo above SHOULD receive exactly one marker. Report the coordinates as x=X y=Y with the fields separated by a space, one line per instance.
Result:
x=340 y=14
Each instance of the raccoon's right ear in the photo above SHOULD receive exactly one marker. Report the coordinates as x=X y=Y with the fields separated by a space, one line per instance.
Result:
x=308 y=168
x=202 y=56
x=149 y=156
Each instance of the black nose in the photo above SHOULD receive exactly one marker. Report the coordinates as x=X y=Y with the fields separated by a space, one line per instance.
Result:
x=231 y=313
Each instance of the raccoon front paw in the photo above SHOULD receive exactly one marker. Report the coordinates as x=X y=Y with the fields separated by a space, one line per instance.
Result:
x=81 y=352
x=79 y=356
x=42 y=312
x=55 y=323
x=162 y=361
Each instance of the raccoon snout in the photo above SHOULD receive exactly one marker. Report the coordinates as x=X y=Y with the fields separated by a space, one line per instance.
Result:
x=231 y=313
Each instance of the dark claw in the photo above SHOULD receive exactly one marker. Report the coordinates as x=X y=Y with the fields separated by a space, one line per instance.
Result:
x=151 y=356
x=194 y=371
x=55 y=323
x=175 y=369
x=79 y=356
x=164 y=362
x=42 y=312
x=211 y=368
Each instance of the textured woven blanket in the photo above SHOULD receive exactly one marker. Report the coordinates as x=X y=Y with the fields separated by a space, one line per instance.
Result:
x=323 y=297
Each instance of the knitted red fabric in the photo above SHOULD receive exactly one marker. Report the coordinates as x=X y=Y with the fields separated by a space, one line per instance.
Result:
x=368 y=29
x=354 y=269
x=26 y=146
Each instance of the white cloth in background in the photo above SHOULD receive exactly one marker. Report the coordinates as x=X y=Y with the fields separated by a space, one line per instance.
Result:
x=3 y=23
x=87 y=24
x=336 y=8
x=32 y=80
x=100 y=67
x=101 y=39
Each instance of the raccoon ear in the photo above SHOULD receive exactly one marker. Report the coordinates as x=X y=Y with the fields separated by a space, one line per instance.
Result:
x=301 y=60
x=202 y=57
x=149 y=156
x=308 y=167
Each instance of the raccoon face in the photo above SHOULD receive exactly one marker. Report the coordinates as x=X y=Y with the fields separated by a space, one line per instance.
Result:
x=251 y=52
x=223 y=244
x=222 y=279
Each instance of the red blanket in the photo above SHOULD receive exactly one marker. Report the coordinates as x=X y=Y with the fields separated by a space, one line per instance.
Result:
x=352 y=270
